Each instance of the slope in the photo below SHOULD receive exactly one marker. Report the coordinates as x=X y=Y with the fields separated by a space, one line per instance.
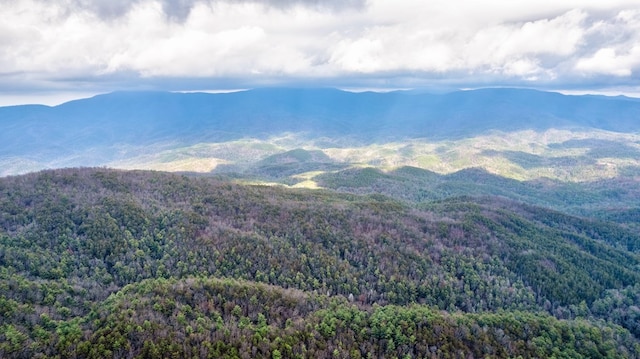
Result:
x=114 y=126
x=613 y=199
x=71 y=238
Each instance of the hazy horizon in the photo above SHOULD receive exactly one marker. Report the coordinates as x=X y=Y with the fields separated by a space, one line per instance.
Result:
x=56 y=99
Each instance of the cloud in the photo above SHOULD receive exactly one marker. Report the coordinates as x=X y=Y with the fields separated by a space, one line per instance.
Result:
x=608 y=61
x=616 y=49
x=179 y=10
x=372 y=43
x=223 y=40
x=513 y=49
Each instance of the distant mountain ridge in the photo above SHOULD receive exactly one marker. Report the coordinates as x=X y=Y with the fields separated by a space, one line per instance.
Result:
x=97 y=130
x=144 y=116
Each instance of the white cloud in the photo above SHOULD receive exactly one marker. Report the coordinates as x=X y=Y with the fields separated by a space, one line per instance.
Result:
x=524 y=68
x=608 y=61
x=619 y=54
x=508 y=49
x=216 y=40
x=360 y=55
x=404 y=42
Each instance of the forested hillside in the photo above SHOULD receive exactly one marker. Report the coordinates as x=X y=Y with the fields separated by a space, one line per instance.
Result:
x=106 y=263
x=614 y=199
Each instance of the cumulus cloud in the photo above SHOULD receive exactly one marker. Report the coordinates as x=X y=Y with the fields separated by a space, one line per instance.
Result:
x=616 y=47
x=525 y=49
x=179 y=10
x=609 y=61
x=401 y=43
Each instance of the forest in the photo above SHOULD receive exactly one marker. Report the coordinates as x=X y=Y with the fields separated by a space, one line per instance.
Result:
x=97 y=263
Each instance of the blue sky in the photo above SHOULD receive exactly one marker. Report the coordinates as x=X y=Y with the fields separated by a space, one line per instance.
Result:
x=51 y=51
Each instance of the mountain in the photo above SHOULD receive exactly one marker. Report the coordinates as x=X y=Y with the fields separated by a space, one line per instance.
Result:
x=98 y=262
x=285 y=166
x=485 y=223
x=613 y=199
x=118 y=125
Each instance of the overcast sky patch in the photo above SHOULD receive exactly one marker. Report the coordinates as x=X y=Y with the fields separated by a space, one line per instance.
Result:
x=163 y=44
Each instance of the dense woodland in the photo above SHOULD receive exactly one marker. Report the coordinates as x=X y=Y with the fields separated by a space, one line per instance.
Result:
x=613 y=199
x=105 y=263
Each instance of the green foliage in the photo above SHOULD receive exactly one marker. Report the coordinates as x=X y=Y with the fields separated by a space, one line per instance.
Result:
x=103 y=263
x=613 y=199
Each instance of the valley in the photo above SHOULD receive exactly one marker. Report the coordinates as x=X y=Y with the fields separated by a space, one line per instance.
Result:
x=515 y=133
x=294 y=223
x=292 y=179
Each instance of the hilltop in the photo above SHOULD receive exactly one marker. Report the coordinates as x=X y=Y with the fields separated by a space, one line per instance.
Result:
x=97 y=262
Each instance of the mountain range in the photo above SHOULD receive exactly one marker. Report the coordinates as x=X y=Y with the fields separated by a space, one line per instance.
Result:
x=321 y=223
x=123 y=125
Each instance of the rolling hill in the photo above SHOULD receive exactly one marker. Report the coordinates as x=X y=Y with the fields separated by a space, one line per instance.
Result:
x=97 y=262
x=484 y=223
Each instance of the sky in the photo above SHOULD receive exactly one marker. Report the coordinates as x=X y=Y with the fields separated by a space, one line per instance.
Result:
x=55 y=50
